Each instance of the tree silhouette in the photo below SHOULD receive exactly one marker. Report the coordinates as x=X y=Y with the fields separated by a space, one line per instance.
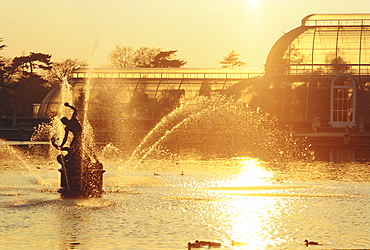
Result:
x=144 y=57
x=23 y=85
x=31 y=62
x=122 y=57
x=23 y=99
x=2 y=65
x=168 y=100
x=63 y=69
x=232 y=60
x=2 y=46
x=164 y=59
x=337 y=64
x=4 y=88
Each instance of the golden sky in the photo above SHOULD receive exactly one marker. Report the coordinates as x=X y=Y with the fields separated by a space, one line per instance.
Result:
x=203 y=31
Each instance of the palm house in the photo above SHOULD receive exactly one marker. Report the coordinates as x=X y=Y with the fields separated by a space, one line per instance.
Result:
x=320 y=70
x=317 y=71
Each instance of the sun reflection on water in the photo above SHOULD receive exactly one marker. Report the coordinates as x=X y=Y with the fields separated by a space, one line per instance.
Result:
x=252 y=219
x=251 y=223
x=251 y=174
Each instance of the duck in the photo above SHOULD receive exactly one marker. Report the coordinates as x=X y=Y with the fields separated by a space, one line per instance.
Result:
x=200 y=244
x=311 y=242
x=233 y=243
x=214 y=244
x=194 y=245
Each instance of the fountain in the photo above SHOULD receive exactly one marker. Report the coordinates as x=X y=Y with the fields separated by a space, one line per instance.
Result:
x=81 y=172
x=218 y=125
x=212 y=125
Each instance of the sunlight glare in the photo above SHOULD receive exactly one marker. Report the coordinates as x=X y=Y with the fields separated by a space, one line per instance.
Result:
x=251 y=224
x=251 y=218
x=253 y=3
x=251 y=174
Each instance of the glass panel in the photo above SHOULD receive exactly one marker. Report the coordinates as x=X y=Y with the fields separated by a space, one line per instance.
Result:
x=365 y=47
x=335 y=116
x=335 y=104
x=348 y=46
x=350 y=104
x=340 y=105
x=300 y=50
x=340 y=116
x=349 y=117
x=325 y=45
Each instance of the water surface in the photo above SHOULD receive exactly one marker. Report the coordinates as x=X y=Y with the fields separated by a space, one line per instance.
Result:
x=258 y=204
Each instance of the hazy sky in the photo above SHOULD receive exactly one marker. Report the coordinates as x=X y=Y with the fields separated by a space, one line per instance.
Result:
x=203 y=31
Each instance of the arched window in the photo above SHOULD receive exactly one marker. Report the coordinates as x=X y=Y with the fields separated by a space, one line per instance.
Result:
x=343 y=101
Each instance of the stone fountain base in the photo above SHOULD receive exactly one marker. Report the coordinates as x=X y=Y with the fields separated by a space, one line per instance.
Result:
x=84 y=181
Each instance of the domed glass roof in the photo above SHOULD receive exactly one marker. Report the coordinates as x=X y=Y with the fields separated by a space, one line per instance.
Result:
x=319 y=69
x=336 y=20
x=325 y=44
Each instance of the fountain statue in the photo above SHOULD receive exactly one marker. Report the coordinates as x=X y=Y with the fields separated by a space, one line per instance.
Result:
x=81 y=172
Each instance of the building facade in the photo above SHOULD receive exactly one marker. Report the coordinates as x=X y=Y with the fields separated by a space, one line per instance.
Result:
x=320 y=70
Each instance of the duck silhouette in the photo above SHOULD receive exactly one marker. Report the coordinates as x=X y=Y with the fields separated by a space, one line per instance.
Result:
x=194 y=245
x=311 y=242
x=203 y=243
x=214 y=244
x=200 y=244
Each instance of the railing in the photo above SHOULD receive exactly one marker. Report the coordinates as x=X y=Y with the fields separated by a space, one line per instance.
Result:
x=336 y=23
x=167 y=75
x=322 y=69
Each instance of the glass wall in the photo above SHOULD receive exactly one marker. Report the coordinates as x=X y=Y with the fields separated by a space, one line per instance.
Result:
x=303 y=64
x=147 y=93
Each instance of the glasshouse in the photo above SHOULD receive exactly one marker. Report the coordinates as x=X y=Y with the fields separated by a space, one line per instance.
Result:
x=146 y=93
x=318 y=72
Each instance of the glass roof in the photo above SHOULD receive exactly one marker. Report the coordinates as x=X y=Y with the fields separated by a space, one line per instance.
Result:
x=336 y=46
x=337 y=20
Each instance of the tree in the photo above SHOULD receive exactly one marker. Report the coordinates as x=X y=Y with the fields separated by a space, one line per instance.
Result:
x=144 y=57
x=140 y=103
x=122 y=57
x=4 y=87
x=31 y=62
x=2 y=46
x=336 y=63
x=165 y=59
x=27 y=91
x=232 y=60
x=2 y=65
x=63 y=69
x=168 y=100
x=24 y=83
